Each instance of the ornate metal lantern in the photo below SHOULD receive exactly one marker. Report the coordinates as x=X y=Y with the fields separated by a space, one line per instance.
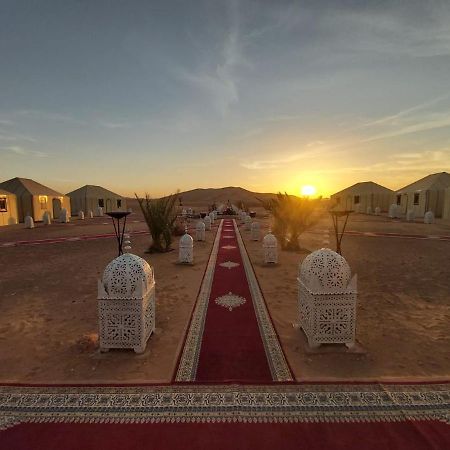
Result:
x=428 y=217
x=270 y=247
x=29 y=222
x=248 y=223
x=64 y=216
x=200 y=231
x=126 y=304
x=207 y=222
x=186 y=250
x=81 y=215
x=327 y=299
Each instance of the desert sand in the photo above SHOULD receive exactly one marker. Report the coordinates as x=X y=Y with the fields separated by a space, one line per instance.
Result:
x=48 y=306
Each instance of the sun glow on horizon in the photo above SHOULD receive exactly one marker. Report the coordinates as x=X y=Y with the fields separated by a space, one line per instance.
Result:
x=308 y=190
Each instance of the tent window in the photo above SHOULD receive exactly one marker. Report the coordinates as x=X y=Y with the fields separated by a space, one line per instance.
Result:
x=399 y=199
x=119 y=203
x=3 y=204
x=416 y=198
x=101 y=203
x=338 y=200
x=356 y=199
x=43 y=201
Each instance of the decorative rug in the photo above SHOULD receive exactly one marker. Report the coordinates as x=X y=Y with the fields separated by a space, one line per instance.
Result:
x=231 y=337
x=291 y=416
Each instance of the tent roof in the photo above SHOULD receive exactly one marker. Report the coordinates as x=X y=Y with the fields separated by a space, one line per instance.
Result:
x=20 y=185
x=434 y=182
x=91 y=190
x=365 y=187
x=3 y=192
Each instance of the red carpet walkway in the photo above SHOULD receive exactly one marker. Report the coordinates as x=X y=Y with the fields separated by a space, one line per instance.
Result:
x=231 y=337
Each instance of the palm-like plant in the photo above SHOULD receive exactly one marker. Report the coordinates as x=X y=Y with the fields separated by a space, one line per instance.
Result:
x=160 y=215
x=292 y=217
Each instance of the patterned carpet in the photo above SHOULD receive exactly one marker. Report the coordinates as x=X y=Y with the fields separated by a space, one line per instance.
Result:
x=231 y=336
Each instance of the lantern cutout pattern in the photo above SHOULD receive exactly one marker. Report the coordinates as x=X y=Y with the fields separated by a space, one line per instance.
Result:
x=46 y=218
x=327 y=299
x=126 y=304
x=270 y=247
x=186 y=250
x=428 y=217
x=200 y=231
x=29 y=222
x=255 y=231
x=207 y=222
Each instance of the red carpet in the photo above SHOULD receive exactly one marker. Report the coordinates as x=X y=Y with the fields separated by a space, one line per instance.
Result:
x=286 y=416
x=231 y=337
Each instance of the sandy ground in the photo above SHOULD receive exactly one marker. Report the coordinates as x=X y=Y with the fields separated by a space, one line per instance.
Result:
x=403 y=315
x=48 y=306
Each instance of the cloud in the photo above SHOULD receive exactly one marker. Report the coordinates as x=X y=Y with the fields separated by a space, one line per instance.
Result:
x=16 y=149
x=221 y=81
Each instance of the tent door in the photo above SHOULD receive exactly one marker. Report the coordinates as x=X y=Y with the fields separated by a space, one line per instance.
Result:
x=56 y=203
x=108 y=205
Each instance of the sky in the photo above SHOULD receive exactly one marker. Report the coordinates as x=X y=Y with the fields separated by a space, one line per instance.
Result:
x=147 y=96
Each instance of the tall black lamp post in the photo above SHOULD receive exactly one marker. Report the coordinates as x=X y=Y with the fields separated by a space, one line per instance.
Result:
x=118 y=216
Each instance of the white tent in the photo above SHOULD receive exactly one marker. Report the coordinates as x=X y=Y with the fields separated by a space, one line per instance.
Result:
x=362 y=196
x=426 y=194
x=90 y=197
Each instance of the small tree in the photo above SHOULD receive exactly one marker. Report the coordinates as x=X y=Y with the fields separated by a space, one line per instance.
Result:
x=292 y=217
x=160 y=215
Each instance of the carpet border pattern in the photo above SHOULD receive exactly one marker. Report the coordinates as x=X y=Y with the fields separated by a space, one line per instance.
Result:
x=275 y=356
x=187 y=368
x=280 y=403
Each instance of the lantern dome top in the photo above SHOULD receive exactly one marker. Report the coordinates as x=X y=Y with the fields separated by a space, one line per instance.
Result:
x=325 y=271
x=125 y=275
x=186 y=240
x=270 y=240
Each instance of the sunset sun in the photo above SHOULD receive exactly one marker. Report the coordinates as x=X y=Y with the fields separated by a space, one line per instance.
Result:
x=308 y=190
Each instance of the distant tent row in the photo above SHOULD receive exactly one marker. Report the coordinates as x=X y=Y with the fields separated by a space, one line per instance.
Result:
x=90 y=197
x=21 y=197
x=431 y=193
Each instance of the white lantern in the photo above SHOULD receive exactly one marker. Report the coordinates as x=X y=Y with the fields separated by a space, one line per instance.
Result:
x=29 y=222
x=248 y=223
x=126 y=304
x=410 y=215
x=428 y=217
x=377 y=211
x=270 y=247
x=395 y=211
x=369 y=210
x=99 y=211
x=81 y=215
x=327 y=299
x=243 y=216
x=46 y=218
x=212 y=217
x=200 y=231
x=91 y=215
x=186 y=250
x=207 y=222
x=64 y=216
x=255 y=231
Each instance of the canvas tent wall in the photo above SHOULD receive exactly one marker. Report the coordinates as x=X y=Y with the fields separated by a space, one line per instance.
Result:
x=8 y=208
x=35 y=199
x=362 y=195
x=426 y=194
x=90 y=197
x=446 y=209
